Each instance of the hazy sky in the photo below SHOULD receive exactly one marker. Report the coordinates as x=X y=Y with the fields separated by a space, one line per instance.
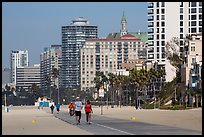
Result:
x=35 y=25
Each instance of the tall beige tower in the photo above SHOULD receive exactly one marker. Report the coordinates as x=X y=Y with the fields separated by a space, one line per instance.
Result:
x=124 y=24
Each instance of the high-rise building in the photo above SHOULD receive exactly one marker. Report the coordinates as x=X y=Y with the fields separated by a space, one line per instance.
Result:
x=73 y=38
x=50 y=58
x=171 y=19
x=26 y=76
x=107 y=55
x=18 y=58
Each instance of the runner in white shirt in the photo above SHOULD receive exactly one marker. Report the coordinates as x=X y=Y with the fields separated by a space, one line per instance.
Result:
x=78 y=106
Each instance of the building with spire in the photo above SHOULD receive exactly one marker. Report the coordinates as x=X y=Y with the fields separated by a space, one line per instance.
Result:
x=141 y=35
x=123 y=23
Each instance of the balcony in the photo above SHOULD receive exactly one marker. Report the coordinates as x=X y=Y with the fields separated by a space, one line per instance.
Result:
x=150 y=6
x=151 y=24
x=150 y=12
x=150 y=19
x=150 y=38
x=150 y=31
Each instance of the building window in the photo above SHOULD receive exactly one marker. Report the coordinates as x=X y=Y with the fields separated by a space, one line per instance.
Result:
x=181 y=30
x=193 y=60
x=193 y=23
x=193 y=17
x=193 y=48
x=200 y=16
x=200 y=4
x=163 y=4
x=163 y=36
x=200 y=29
x=157 y=17
x=181 y=10
x=200 y=23
x=163 y=30
x=193 y=10
x=157 y=36
x=162 y=11
x=193 y=30
x=181 y=43
x=157 y=49
x=200 y=10
x=162 y=17
x=162 y=24
x=181 y=17
x=157 y=11
x=181 y=36
x=181 y=23
x=157 y=24
x=157 y=56
x=163 y=49
x=157 y=43
x=163 y=55
x=157 y=30
x=163 y=43
x=157 y=4
x=193 y=4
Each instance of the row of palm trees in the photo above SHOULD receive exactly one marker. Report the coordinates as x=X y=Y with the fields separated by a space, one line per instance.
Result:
x=136 y=83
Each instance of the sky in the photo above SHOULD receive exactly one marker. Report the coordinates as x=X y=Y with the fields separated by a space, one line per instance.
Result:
x=33 y=26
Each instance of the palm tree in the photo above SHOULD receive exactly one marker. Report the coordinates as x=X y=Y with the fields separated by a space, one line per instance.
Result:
x=135 y=81
x=34 y=89
x=112 y=81
x=48 y=83
x=55 y=75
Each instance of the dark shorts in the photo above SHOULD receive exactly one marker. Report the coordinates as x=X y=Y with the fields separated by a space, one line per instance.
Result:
x=78 y=113
x=57 y=109
x=87 y=113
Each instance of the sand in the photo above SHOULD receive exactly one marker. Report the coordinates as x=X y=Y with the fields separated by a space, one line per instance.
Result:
x=30 y=121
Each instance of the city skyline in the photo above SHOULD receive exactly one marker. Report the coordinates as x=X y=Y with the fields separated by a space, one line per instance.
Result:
x=33 y=26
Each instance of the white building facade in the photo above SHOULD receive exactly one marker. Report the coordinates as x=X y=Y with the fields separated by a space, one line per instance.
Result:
x=26 y=76
x=18 y=58
x=171 y=19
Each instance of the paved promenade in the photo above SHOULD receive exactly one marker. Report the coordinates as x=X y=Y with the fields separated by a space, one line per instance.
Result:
x=19 y=121
x=176 y=118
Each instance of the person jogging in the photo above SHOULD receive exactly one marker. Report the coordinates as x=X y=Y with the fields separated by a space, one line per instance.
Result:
x=88 y=111
x=71 y=108
x=78 y=107
x=58 y=108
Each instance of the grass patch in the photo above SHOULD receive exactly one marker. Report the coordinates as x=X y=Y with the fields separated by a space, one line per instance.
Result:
x=176 y=107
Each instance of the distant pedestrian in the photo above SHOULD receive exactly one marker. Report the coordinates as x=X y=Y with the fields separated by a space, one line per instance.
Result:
x=58 y=108
x=78 y=107
x=52 y=108
x=88 y=111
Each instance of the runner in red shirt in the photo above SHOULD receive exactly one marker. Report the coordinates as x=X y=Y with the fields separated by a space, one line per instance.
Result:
x=88 y=111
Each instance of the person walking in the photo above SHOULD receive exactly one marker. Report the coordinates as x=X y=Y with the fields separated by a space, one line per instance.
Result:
x=52 y=108
x=78 y=107
x=88 y=111
x=58 y=108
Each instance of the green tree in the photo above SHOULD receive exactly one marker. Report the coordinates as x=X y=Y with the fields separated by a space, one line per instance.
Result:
x=55 y=75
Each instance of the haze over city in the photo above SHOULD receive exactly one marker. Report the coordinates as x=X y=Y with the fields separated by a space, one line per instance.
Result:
x=32 y=26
